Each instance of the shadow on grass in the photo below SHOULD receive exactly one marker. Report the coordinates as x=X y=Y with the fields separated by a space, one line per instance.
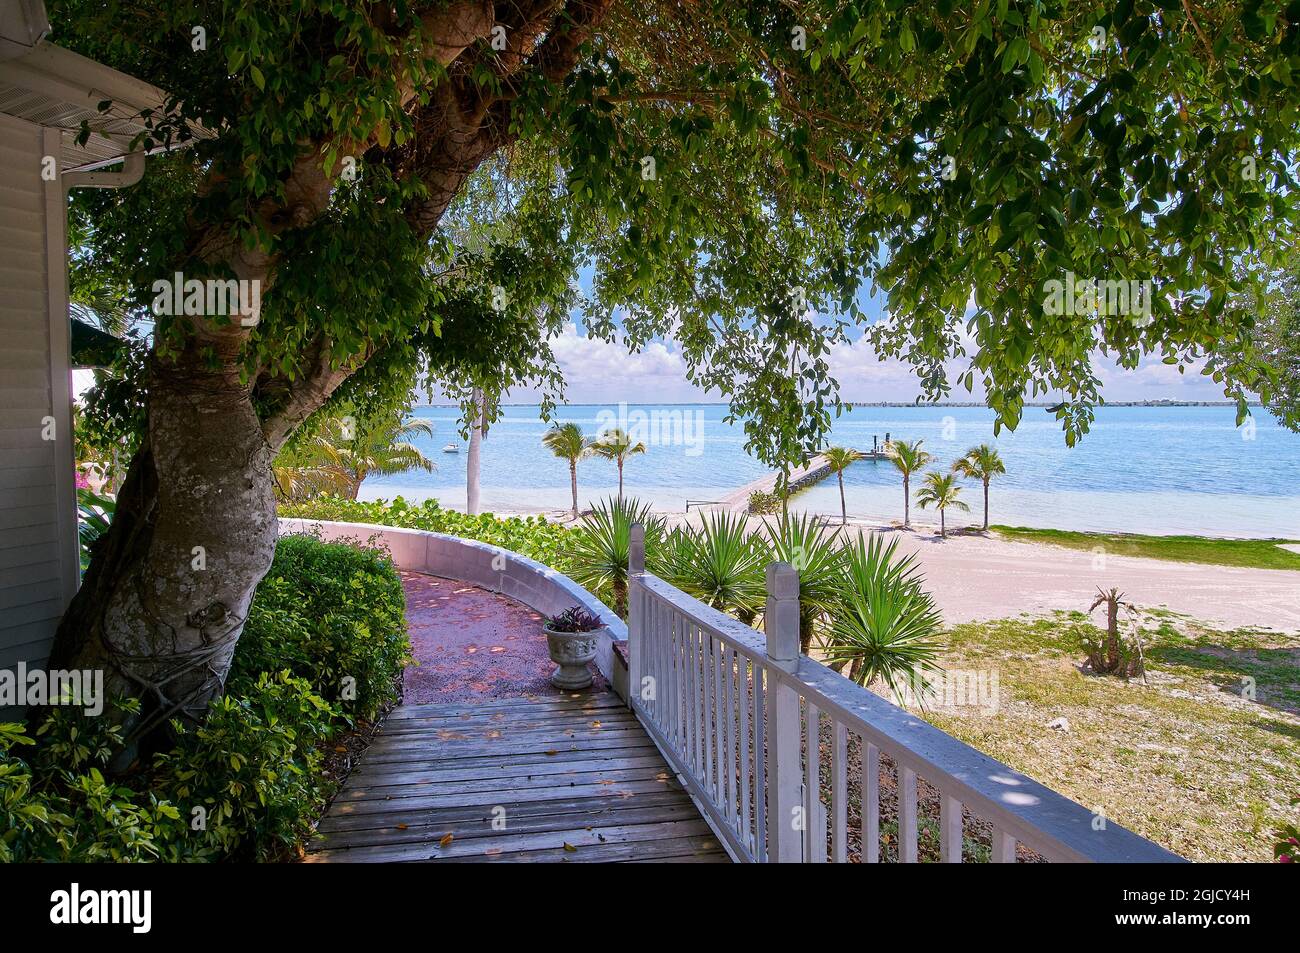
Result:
x=1275 y=672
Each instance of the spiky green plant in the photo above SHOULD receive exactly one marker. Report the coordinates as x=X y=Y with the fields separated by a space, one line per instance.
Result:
x=812 y=549
x=909 y=458
x=568 y=442
x=941 y=491
x=885 y=625
x=720 y=563
x=839 y=459
x=981 y=463
x=599 y=549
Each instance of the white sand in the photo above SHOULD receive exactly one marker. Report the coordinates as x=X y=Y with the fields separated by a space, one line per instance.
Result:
x=976 y=577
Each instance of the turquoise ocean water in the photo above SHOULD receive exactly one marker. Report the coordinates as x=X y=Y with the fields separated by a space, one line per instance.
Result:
x=1140 y=469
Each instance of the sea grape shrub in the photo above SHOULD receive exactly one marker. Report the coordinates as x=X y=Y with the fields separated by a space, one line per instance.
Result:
x=332 y=614
x=762 y=503
x=531 y=536
x=575 y=619
x=248 y=780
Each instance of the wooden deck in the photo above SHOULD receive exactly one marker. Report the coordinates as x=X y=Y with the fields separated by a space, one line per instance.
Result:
x=562 y=780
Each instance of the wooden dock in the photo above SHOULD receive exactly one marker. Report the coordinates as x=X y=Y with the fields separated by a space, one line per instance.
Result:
x=800 y=479
x=568 y=780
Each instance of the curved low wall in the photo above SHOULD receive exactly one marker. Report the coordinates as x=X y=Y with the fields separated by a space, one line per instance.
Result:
x=525 y=580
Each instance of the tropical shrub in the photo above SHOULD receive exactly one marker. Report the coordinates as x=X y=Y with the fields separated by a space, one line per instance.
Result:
x=599 y=549
x=809 y=547
x=332 y=614
x=720 y=564
x=885 y=626
x=762 y=503
x=531 y=536
x=94 y=514
x=249 y=777
x=247 y=783
x=58 y=806
x=1110 y=653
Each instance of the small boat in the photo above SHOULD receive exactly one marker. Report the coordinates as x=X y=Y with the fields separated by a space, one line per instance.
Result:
x=451 y=448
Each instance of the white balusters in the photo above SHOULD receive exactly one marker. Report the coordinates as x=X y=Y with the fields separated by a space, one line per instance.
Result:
x=906 y=815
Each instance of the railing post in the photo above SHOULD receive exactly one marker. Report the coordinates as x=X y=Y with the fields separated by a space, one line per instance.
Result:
x=635 y=612
x=785 y=810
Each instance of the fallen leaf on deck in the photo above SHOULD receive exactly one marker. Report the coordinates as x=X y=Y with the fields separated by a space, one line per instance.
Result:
x=569 y=847
x=401 y=827
x=446 y=839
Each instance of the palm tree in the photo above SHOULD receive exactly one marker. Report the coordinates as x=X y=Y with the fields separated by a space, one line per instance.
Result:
x=382 y=446
x=804 y=543
x=839 y=459
x=909 y=458
x=599 y=549
x=981 y=463
x=616 y=445
x=720 y=564
x=941 y=491
x=886 y=625
x=344 y=451
x=568 y=442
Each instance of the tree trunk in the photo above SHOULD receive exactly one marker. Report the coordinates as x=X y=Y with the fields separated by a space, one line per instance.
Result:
x=844 y=510
x=620 y=480
x=573 y=485
x=907 y=503
x=986 y=505
x=943 y=526
x=473 y=464
x=167 y=592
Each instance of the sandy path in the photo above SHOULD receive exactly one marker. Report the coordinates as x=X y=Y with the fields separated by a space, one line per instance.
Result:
x=983 y=578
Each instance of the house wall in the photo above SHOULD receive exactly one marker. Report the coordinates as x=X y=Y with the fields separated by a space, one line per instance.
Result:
x=38 y=524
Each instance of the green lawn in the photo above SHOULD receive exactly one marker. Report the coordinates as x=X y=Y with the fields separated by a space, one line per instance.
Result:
x=1186 y=760
x=1251 y=553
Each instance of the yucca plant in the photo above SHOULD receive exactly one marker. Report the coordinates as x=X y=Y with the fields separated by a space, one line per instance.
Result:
x=720 y=564
x=885 y=625
x=807 y=545
x=599 y=549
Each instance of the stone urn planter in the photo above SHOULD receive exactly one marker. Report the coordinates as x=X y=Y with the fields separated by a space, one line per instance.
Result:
x=571 y=638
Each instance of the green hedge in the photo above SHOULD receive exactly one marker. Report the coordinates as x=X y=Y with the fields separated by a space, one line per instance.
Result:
x=332 y=614
x=324 y=646
x=531 y=536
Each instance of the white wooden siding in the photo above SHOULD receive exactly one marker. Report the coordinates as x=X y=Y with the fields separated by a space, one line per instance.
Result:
x=38 y=570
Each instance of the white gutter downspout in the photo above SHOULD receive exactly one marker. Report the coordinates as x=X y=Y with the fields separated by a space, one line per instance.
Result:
x=132 y=172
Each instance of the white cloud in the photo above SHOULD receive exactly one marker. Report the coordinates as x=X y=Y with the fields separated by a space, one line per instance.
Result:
x=600 y=371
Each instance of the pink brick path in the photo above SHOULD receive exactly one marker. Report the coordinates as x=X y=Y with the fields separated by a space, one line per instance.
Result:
x=473 y=644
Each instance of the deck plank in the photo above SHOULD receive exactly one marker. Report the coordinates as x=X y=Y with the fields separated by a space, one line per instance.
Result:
x=563 y=780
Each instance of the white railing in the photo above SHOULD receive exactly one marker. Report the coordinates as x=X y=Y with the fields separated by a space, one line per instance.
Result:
x=766 y=741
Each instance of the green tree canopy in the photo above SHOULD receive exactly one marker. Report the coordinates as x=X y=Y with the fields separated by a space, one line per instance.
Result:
x=415 y=185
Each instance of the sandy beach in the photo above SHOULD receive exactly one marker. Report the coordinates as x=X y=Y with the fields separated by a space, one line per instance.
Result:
x=976 y=577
